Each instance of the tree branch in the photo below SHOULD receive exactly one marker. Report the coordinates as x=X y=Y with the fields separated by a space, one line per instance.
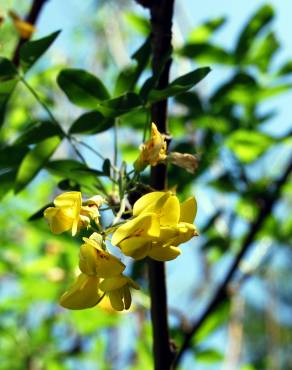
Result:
x=267 y=203
x=32 y=16
x=161 y=13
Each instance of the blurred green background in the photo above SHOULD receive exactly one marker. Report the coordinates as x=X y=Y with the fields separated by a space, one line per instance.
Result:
x=237 y=121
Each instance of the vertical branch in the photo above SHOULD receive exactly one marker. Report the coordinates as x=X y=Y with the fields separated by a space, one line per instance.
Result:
x=32 y=16
x=161 y=13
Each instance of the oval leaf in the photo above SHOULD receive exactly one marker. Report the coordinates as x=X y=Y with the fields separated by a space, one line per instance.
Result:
x=37 y=132
x=249 y=145
x=31 y=51
x=120 y=105
x=82 y=88
x=34 y=161
x=179 y=85
x=248 y=35
x=91 y=122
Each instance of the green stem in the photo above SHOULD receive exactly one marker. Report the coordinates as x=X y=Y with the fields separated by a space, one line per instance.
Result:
x=53 y=119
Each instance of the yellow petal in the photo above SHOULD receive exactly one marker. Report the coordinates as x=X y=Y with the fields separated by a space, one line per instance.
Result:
x=58 y=220
x=170 y=212
x=127 y=297
x=116 y=300
x=70 y=203
x=149 y=201
x=164 y=253
x=118 y=291
x=136 y=247
x=164 y=204
x=113 y=283
x=116 y=282
x=146 y=226
x=188 y=210
x=84 y=293
x=69 y=199
x=93 y=260
x=178 y=234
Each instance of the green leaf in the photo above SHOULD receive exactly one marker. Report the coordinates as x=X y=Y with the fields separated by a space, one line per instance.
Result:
x=8 y=81
x=76 y=174
x=205 y=30
x=248 y=35
x=82 y=88
x=37 y=132
x=248 y=146
x=139 y=23
x=31 y=51
x=11 y=156
x=207 y=53
x=209 y=356
x=213 y=322
x=7 y=70
x=40 y=213
x=106 y=167
x=91 y=123
x=286 y=69
x=7 y=181
x=121 y=105
x=128 y=77
x=34 y=161
x=192 y=101
x=70 y=168
x=262 y=53
x=179 y=85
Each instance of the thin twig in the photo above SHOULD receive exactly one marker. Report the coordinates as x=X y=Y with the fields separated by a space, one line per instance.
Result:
x=266 y=205
x=52 y=117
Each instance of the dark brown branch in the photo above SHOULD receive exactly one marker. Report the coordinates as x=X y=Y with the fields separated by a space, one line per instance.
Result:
x=32 y=16
x=161 y=23
x=267 y=203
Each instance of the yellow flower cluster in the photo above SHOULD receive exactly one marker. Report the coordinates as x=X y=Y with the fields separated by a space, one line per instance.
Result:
x=159 y=225
x=101 y=273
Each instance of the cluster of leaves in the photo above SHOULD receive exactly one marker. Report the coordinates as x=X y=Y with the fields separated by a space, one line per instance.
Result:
x=33 y=149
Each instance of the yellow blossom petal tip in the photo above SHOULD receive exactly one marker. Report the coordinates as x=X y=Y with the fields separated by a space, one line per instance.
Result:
x=188 y=210
x=83 y=293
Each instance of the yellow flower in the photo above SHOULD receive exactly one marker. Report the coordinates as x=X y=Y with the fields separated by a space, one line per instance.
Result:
x=118 y=290
x=83 y=293
x=166 y=247
x=152 y=151
x=66 y=213
x=90 y=208
x=25 y=29
x=173 y=226
x=95 y=261
x=135 y=236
